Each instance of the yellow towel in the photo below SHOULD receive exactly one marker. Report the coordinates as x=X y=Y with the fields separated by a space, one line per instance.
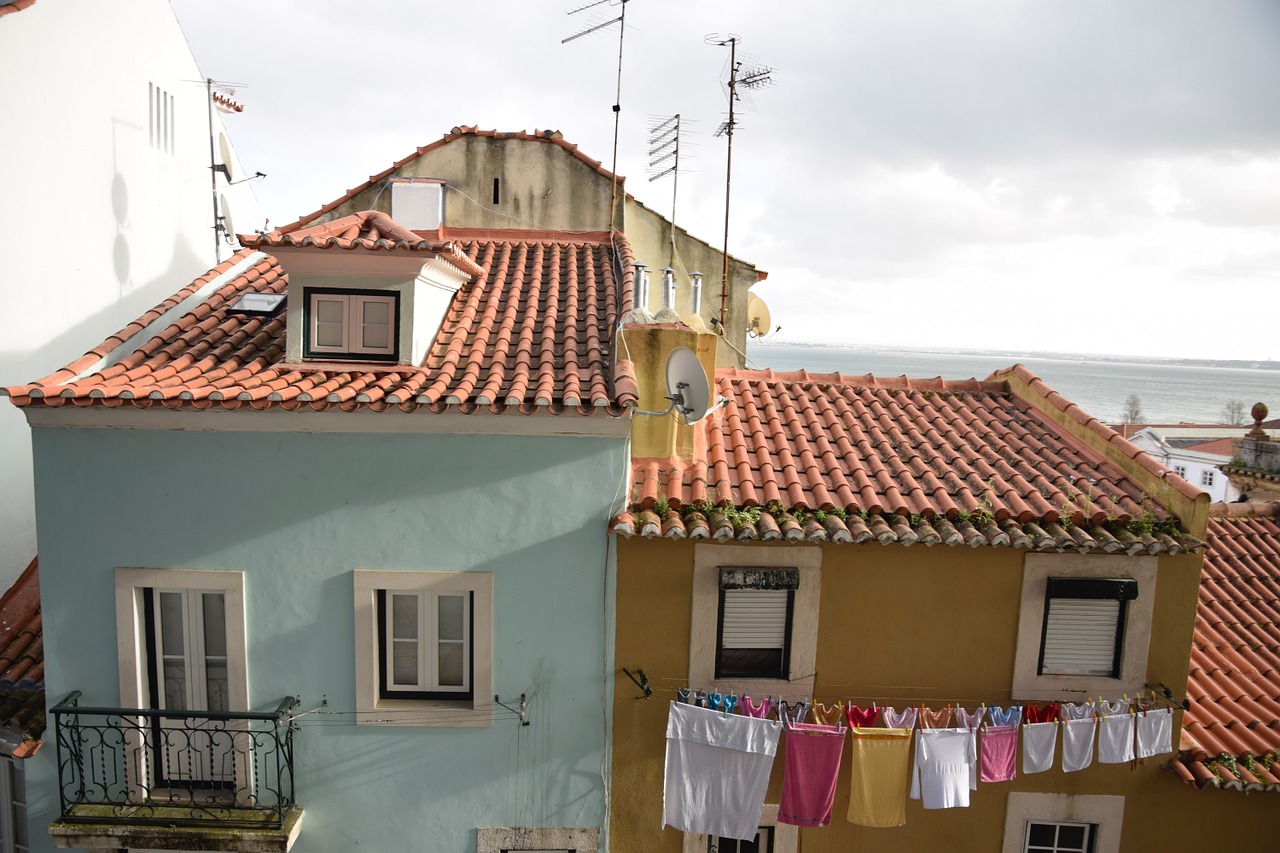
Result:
x=879 y=773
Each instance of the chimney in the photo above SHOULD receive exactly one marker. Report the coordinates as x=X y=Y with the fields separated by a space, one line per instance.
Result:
x=668 y=313
x=665 y=436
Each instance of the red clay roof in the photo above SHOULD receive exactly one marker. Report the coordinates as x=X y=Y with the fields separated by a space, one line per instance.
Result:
x=1234 y=686
x=15 y=6
x=534 y=333
x=891 y=460
x=1219 y=446
x=22 y=660
x=552 y=137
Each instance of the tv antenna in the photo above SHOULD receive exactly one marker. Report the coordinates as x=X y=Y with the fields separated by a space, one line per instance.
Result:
x=219 y=95
x=664 y=159
x=596 y=26
x=740 y=78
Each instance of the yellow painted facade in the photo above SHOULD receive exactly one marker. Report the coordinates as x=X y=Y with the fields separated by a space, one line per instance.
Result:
x=897 y=626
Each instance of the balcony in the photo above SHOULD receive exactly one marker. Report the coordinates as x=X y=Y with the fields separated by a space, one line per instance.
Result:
x=204 y=780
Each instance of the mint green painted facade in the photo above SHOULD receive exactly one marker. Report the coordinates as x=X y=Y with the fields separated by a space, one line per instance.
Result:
x=297 y=513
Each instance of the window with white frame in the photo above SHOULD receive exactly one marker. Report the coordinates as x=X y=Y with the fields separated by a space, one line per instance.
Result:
x=1044 y=836
x=1084 y=624
x=423 y=647
x=1062 y=823
x=1206 y=478
x=424 y=644
x=1180 y=470
x=352 y=324
x=755 y=618
x=754 y=630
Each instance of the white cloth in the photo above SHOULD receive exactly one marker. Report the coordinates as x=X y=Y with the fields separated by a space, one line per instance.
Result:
x=1039 y=745
x=1155 y=732
x=717 y=771
x=1078 y=710
x=1115 y=739
x=1077 y=744
x=946 y=767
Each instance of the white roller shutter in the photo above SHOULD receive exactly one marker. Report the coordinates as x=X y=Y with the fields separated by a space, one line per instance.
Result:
x=754 y=619
x=1080 y=636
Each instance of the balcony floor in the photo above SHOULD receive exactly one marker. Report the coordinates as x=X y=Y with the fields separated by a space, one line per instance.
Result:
x=99 y=827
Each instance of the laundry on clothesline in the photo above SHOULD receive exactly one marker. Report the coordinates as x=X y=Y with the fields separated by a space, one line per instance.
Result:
x=810 y=773
x=879 y=767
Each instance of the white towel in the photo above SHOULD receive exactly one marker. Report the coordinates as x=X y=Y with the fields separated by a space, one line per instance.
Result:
x=1115 y=739
x=717 y=771
x=1077 y=744
x=1039 y=745
x=1155 y=732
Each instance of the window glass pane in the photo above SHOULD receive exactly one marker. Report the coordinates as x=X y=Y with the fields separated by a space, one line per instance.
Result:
x=376 y=325
x=452 y=665
x=329 y=310
x=172 y=641
x=404 y=662
x=404 y=617
x=215 y=678
x=450 y=609
x=215 y=625
x=329 y=324
x=175 y=685
x=1071 y=837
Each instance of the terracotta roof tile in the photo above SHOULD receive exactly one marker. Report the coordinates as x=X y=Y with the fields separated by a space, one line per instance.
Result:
x=913 y=461
x=15 y=6
x=533 y=333
x=1232 y=731
x=22 y=660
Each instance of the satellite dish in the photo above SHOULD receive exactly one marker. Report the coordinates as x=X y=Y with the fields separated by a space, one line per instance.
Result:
x=758 y=320
x=228 y=227
x=228 y=162
x=687 y=385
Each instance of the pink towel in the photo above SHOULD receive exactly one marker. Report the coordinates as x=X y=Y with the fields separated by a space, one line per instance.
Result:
x=999 y=753
x=809 y=777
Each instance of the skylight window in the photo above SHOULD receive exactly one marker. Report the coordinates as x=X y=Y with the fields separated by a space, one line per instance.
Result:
x=257 y=304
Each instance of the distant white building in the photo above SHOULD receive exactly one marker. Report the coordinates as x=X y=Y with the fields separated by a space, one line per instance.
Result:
x=1195 y=452
x=109 y=205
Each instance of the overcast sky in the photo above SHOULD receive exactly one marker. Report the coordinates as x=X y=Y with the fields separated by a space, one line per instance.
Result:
x=1075 y=175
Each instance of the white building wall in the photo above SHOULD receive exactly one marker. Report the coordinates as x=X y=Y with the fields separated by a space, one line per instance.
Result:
x=100 y=220
x=1202 y=470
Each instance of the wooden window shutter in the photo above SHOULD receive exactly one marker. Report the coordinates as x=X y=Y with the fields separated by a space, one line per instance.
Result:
x=1084 y=626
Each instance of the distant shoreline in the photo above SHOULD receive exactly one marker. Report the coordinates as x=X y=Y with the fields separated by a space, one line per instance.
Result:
x=1238 y=364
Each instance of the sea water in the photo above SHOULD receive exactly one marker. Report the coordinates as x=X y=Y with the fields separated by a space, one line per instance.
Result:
x=1167 y=392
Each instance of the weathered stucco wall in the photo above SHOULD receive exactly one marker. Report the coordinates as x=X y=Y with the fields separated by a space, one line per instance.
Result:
x=896 y=625
x=297 y=513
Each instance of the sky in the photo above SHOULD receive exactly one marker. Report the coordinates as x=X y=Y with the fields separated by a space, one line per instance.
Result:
x=1026 y=175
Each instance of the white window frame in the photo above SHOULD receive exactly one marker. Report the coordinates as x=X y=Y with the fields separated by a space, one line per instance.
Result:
x=131 y=627
x=1207 y=478
x=1090 y=830
x=785 y=836
x=1180 y=470
x=372 y=709
x=1105 y=813
x=708 y=559
x=1037 y=569
x=427 y=639
x=195 y=657
x=352 y=306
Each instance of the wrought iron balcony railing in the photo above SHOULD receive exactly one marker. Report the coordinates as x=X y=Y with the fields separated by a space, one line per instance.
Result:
x=175 y=768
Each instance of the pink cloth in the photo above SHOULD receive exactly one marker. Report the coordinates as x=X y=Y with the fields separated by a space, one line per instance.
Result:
x=809 y=776
x=999 y=753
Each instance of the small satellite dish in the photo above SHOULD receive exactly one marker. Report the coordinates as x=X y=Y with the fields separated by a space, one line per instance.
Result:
x=758 y=320
x=687 y=385
x=228 y=227
x=228 y=162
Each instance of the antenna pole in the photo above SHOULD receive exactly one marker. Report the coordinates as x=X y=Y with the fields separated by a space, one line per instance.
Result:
x=617 y=116
x=728 y=181
x=213 y=175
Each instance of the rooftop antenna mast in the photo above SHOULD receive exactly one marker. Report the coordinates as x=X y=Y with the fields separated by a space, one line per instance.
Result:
x=664 y=145
x=621 y=20
x=748 y=78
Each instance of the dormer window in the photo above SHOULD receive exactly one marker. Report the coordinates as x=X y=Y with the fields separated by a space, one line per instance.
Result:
x=352 y=324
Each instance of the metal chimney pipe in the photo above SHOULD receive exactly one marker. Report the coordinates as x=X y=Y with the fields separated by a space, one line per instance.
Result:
x=696 y=277
x=642 y=285
x=668 y=288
